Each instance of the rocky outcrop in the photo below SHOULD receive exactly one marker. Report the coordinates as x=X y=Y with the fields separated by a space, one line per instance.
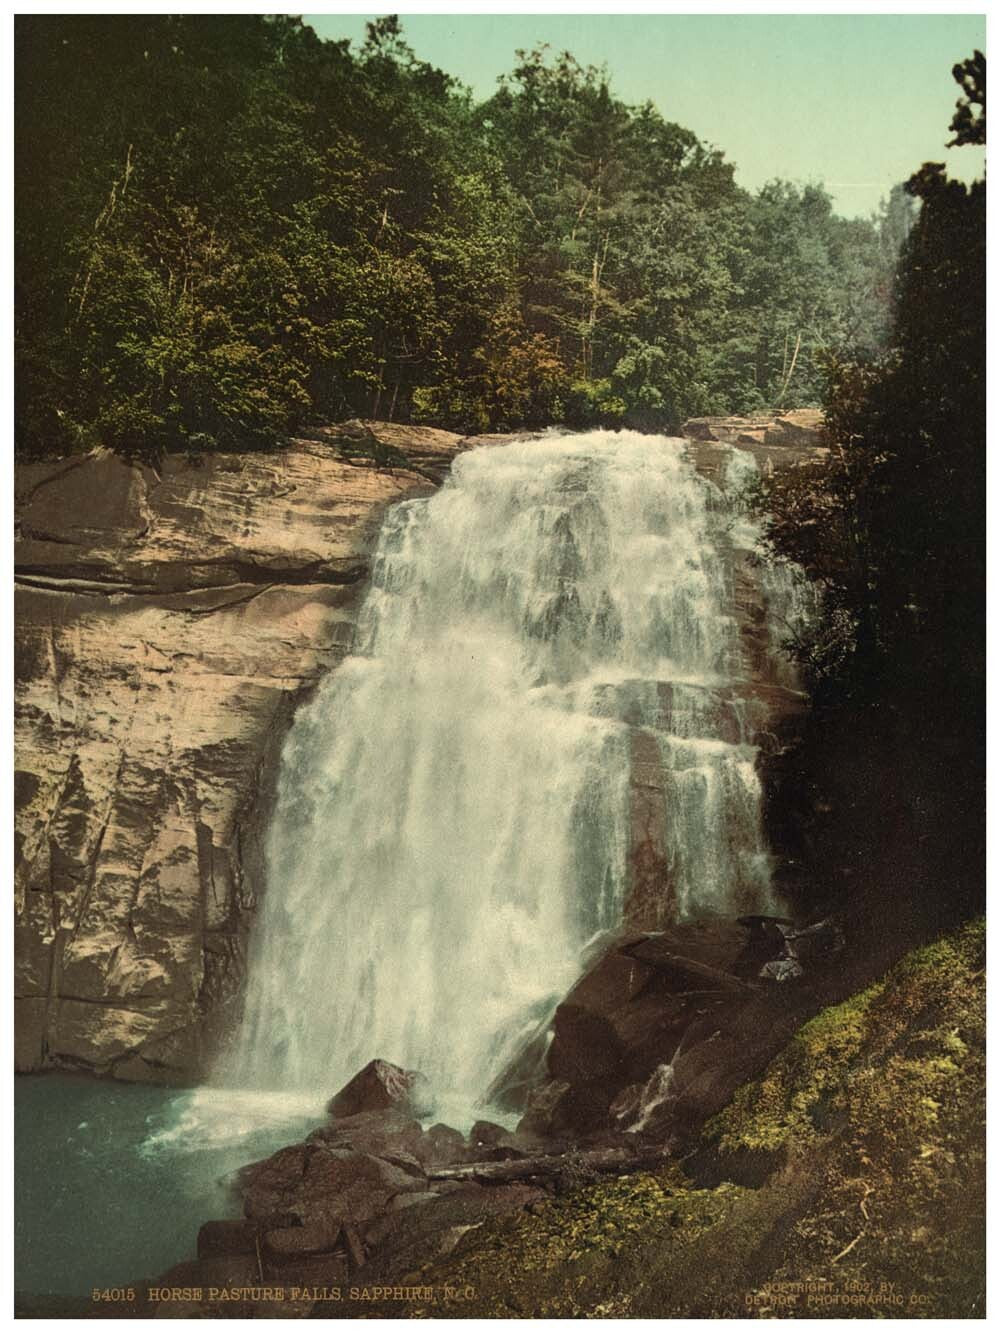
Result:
x=629 y=1041
x=848 y=1182
x=776 y=439
x=167 y=623
x=855 y=1158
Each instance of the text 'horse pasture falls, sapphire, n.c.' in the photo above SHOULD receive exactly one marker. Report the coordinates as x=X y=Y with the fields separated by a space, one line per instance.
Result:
x=456 y=813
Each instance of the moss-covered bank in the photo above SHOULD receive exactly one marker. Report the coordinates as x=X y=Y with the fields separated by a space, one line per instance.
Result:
x=848 y=1180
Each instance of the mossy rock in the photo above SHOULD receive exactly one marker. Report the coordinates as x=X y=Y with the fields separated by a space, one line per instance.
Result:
x=869 y=1132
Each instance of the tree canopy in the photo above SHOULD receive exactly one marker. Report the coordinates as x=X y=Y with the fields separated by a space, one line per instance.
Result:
x=227 y=228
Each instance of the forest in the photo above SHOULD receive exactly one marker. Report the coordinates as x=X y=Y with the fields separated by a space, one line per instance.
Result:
x=228 y=228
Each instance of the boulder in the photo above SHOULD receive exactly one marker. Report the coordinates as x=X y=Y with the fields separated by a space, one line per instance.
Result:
x=486 y=1134
x=663 y=1027
x=380 y=1086
x=286 y=1245
x=489 y=1142
x=312 y=1183
x=390 y=1133
x=267 y=1186
x=627 y=1014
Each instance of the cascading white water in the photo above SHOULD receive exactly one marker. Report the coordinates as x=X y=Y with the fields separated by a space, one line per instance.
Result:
x=453 y=819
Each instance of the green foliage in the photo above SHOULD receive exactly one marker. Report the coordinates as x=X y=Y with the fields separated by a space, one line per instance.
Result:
x=227 y=228
x=891 y=532
x=892 y=529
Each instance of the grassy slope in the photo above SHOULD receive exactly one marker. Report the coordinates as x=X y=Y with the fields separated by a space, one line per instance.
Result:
x=865 y=1139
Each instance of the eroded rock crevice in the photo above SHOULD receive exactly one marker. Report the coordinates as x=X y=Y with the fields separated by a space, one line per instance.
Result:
x=167 y=626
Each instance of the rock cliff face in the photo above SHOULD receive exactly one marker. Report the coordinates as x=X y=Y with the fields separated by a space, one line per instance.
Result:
x=167 y=625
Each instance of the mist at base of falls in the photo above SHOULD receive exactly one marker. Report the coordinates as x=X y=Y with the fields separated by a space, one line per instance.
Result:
x=453 y=820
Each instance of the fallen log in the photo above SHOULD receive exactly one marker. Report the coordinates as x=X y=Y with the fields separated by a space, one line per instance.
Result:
x=687 y=971
x=600 y=1160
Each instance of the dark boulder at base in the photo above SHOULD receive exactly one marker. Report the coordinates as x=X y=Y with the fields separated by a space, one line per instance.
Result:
x=381 y=1085
x=490 y=1142
x=486 y=1134
x=664 y=1026
x=287 y=1245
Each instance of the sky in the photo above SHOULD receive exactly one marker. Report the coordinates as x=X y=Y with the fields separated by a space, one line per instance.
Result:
x=852 y=101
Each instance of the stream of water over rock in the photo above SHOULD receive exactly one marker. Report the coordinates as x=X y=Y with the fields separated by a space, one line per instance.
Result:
x=456 y=819
x=453 y=821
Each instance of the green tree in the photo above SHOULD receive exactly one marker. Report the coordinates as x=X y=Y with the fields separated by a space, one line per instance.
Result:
x=892 y=532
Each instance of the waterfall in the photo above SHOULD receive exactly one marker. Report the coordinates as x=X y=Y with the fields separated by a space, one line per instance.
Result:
x=455 y=809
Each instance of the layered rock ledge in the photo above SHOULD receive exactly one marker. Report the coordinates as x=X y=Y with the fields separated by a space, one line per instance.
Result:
x=167 y=624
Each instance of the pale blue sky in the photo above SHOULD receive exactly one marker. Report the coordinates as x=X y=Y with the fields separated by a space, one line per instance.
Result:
x=857 y=102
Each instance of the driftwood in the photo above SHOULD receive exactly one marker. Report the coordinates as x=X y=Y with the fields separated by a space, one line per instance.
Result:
x=600 y=1160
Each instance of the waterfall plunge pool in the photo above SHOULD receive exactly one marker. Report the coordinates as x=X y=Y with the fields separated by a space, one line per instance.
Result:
x=114 y=1179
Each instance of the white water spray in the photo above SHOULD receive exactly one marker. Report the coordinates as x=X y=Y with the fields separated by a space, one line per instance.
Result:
x=453 y=817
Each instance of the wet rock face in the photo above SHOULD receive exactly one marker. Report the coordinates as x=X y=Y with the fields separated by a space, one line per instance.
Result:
x=167 y=625
x=762 y=707
x=663 y=1027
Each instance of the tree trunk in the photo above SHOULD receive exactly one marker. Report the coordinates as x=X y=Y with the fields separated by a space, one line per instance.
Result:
x=791 y=370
